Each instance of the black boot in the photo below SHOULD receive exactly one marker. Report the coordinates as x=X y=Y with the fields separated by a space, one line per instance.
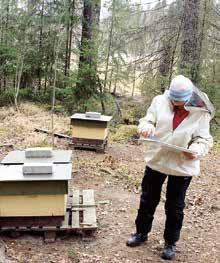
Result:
x=169 y=252
x=136 y=240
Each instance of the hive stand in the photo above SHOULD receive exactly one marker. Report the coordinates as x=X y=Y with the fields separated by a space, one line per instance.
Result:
x=80 y=216
x=98 y=145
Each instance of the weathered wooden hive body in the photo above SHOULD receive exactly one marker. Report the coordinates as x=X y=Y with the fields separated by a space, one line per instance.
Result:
x=90 y=130
x=90 y=125
x=34 y=186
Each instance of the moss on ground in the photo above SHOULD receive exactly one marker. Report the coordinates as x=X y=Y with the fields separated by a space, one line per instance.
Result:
x=123 y=133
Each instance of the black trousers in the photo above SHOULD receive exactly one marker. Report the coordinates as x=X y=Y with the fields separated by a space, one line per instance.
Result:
x=174 y=205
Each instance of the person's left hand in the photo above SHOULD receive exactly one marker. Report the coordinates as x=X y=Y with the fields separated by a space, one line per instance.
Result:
x=190 y=156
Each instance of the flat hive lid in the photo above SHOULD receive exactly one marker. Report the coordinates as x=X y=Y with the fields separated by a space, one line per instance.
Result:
x=82 y=116
x=10 y=173
x=18 y=157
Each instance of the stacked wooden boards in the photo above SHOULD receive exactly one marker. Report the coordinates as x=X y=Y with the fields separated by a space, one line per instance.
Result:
x=89 y=128
x=34 y=187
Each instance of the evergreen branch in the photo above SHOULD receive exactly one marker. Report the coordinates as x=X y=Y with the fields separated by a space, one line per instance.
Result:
x=141 y=60
x=149 y=71
x=215 y=26
x=216 y=11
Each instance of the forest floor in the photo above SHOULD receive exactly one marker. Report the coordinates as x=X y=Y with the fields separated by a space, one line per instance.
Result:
x=115 y=176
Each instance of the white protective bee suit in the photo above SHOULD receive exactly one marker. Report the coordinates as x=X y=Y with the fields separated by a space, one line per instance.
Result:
x=192 y=133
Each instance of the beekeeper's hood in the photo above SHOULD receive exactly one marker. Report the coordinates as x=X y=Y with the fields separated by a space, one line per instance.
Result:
x=182 y=89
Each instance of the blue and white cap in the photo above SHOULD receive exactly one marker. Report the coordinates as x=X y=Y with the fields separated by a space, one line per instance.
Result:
x=181 y=89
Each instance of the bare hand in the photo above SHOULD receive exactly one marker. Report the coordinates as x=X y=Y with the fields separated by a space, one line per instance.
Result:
x=190 y=156
x=148 y=131
x=145 y=134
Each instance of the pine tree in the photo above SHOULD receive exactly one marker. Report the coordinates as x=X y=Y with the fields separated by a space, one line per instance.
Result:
x=87 y=85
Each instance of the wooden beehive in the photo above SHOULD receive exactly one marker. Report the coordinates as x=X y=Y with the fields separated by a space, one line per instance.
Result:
x=28 y=193
x=90 y=126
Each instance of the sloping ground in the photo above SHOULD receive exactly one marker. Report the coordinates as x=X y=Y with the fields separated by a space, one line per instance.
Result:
x=115 y=177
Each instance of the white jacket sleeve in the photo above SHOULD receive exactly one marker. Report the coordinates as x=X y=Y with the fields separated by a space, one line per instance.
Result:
x=202 y=140
x=150 y=118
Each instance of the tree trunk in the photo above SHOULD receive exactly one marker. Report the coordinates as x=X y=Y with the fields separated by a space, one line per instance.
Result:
x=45 y=84
x=109 y=45
x=165 y=63
x=87 y=72
x=110 y=80
x=86 y=81
x=190 y=53
x=40 y=45
x=174 y=50
x=4 y=37
x=70 y=49
x=115 y=83
x=134 y=80
x=203 y=33
x=67 y=47
x=71 y=33
x=18 y=81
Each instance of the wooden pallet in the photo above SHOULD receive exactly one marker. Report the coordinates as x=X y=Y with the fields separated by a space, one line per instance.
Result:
x=81 y=205
x=97 y=145
x=80 y=215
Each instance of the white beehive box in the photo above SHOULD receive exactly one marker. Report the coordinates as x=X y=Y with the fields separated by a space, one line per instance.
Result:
x=34 y=187
x=90 y=125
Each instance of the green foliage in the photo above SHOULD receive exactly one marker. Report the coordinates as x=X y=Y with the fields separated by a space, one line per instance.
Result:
x=36 y=31
x=87 y=80
x=217 y=147
x=8 y=59
x=124 y=133
x=92 y=104
x=64 y=94
x=210 y=83
x=132 y=110
x=163 y=82
x=86 y=85
x=7 y=97
x=215 y=130
x=150 y=87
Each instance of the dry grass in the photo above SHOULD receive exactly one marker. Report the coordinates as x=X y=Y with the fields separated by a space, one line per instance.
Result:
x=17 y=128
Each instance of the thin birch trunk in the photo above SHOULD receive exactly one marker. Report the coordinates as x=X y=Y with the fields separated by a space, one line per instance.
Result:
x=134 y=81
x=109 y=46
x=18 y=81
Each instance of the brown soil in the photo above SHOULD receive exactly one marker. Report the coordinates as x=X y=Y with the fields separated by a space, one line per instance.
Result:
x=115 y=176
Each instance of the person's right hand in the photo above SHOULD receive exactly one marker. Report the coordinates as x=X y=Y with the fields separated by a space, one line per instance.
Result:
x=190 y=156
x=149 y=130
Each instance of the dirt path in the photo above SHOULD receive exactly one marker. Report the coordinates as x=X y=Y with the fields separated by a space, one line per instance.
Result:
x=115 y=177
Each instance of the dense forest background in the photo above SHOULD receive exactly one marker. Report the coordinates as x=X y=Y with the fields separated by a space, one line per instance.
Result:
x=85 y=55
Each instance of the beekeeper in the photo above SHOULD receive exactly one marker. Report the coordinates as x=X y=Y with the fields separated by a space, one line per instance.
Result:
x=181 y=116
